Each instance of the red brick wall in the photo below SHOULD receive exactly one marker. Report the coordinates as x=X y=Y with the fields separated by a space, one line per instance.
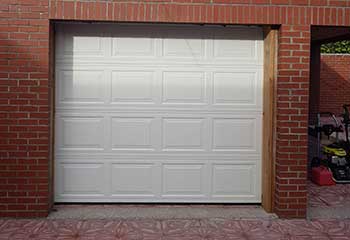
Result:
x=25 y=86
x=24 y=108
x=334 y=82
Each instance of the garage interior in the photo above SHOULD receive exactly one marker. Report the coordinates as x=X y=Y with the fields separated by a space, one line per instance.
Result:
x=156 y=113
x=329 y=90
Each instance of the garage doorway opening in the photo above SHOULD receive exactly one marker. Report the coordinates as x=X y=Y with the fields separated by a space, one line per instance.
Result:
x=155 y=113
x=329 y=92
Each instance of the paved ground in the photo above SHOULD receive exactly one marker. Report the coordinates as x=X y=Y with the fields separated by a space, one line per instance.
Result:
x=174 y=229
x=189 y=222
x=329 y=201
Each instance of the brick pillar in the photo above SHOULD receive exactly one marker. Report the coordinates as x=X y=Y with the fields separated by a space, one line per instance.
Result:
x=24 y=108
x=292 y=121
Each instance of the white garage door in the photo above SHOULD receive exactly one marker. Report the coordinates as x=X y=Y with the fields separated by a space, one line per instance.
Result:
x=158 y=113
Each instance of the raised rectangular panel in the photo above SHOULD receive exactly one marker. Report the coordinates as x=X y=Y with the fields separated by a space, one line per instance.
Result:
x=133 y=86
x=234 y=134
x=234 y=88
x=82 y=42
x=135 y=179
x=228 y=48
x=82 y=178
x=80 y=133
x=183 y=180
x=184 y=87
x=237 y=44
x=233 y=180
x=87 y=43
x=132 y=133
x=183 y=134
x=80 y=86
x=189 y=46
x=133 y=42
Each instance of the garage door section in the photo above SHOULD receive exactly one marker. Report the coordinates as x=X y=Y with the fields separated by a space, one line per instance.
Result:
x=158 y=113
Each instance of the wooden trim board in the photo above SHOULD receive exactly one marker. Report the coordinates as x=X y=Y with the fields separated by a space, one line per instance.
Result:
x=52 y=50
x=269 y=117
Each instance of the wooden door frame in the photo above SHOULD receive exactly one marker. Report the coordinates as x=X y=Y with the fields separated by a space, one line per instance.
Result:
x=269 y=117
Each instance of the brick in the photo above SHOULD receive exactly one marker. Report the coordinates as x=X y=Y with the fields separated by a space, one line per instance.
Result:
x=334 y=78
x=318 y=2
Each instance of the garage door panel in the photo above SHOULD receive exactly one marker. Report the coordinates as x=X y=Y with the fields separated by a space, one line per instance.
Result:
x=133 y=87
x=80 y=133
x=237 y=44
x=81 y=86
x=184 y=87
x=83 y=42
x=158 y=113
x=133 y=133
x=138 y=46
x=183 y=180
x=144 y=179
x=184 y=134
x=225 y=184
x=159 y=132
x=234 y=48
x=242 y=91
x=79 y=179
x=236 y=134
x=210 y=89
x=134 y=180
x=187 y=47
x=142 y=42
x=83 y=45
